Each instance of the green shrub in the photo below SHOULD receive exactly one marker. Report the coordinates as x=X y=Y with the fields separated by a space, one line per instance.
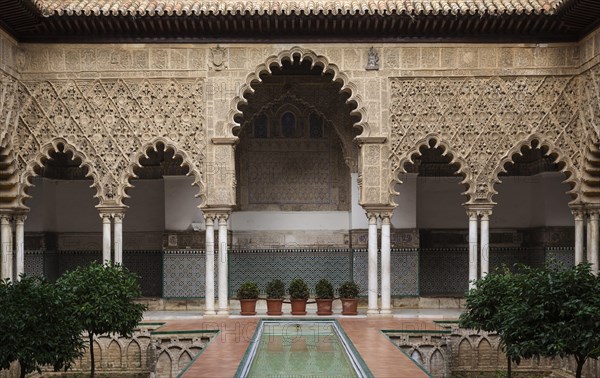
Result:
x=275 y=289
x=298 y=289
x=349 y=289
x=324 y=289
x=248 y=290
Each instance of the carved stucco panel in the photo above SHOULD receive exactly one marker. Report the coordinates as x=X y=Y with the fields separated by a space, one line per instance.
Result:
x=108 y=122
x=483 y=119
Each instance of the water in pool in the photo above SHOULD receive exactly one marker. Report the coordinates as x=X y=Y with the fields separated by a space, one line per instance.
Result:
x=300 y=350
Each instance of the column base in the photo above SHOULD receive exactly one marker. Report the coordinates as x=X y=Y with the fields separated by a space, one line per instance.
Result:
x=223 y=312
x=210 y=313
x=386 y=312
x=372 y=312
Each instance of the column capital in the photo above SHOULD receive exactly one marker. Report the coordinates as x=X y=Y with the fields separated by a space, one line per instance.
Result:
x=111 y=210
x=578 y=211
x=379 y=211
x=118 y=217
x=479 y=210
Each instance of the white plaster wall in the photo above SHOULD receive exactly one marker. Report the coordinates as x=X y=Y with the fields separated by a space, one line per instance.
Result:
x=405 y=214
x=146 y=206
x=289 y=220
x=69 y=206
x=181 y=205
x=533 y=201
x=58 y=205
x=439 y=203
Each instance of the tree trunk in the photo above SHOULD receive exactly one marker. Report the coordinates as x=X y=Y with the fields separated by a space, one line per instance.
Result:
x=91 y=335
x=580 y=363
x=22 y=370
x=509 y=371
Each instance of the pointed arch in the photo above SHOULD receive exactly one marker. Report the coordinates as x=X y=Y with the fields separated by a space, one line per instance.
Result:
x=538 y=141
x=38 y=160
x=347 y=86
x=433 y=140
x=134 y=354
x=134 y=162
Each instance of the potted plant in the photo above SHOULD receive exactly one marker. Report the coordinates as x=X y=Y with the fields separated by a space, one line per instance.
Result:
x=298 y=291
x=248 y=294
x=275 y=294
x=348 y=293
x=324 y=291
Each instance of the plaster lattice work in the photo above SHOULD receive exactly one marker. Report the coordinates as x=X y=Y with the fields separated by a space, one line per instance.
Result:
x=482 y=122
x=109 y=125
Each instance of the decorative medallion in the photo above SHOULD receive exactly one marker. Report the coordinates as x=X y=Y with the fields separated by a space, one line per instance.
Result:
x=219 y=56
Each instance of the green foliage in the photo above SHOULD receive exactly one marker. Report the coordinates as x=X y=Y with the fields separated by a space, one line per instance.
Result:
x=298 y=289
x=37 y=328
x=275 y=289
x=545 y=312
x=248 y=290
x=102 y=298
x=348 y=290
x=324 y=289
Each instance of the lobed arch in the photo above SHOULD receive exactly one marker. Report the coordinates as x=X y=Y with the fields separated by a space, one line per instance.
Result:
x=347 y=86
x=134 y=162
x=434 y=140
x=38 y=160
x=538 y=141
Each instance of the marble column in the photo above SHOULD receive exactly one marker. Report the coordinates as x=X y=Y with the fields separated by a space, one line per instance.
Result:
x=372 y=265
x=209 y=294
x=223 y=267
x=118 y=243
x=7 y=251
x=386 y=289
x=594 y=238
x=485 y=243
x=579 y=215
x=472 y=248
x=20 y=245
x=106 y=229
x=588 y=234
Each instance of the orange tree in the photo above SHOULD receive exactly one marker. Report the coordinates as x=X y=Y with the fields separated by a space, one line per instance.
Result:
x=102 y=297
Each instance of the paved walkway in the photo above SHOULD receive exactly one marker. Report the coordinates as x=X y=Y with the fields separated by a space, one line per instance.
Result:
x=223 y=355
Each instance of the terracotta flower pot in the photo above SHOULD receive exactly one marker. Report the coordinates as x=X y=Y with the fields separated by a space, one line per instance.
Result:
x=349 y=306
x=274 y=306
x=298 y=306
x=324 y=306
x=248 y=306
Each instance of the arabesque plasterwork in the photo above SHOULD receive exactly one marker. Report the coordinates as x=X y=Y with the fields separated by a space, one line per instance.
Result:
x=109 y=104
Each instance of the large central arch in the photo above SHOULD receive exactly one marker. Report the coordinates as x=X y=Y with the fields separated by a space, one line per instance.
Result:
x=265 y=68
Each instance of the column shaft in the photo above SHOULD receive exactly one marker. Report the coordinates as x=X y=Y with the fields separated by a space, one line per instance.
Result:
x=372 y=265
x=588 y=235
x=579 y=223
x=594 y=238
x=118 y=230
x=485 y=244
x=472 y=248
x=20 y=247
x=386 y=290
x=223 y=266
x=106 y=223
x=209 y=294
x=6 y=249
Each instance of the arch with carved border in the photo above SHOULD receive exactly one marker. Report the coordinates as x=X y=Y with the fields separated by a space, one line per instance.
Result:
x=134 y=162
x=434 y=140
x=38 y=160
x=347 y=86
x=568 y=168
